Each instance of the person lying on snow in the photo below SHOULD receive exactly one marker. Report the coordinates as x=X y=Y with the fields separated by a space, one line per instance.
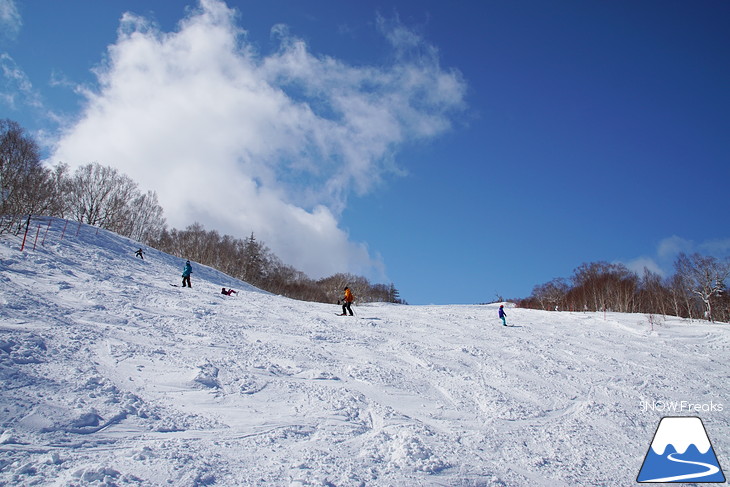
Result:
x=228 y=292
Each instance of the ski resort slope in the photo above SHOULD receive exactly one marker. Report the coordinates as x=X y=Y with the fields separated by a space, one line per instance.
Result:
x=111 y=375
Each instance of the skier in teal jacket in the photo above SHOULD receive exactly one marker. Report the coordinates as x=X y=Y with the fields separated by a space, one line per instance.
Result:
x=186 y=274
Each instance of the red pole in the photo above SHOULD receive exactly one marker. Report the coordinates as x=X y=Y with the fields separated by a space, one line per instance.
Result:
x=36 y=236
x=43 y=242
x=22 y=246
x=27 y=226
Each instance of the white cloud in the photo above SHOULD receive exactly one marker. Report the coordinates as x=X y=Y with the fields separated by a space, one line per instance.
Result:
x=639 y=264
x=10 y=19
x=718 y=247
x=669 y=248
x=243 y=142
x=16 y=90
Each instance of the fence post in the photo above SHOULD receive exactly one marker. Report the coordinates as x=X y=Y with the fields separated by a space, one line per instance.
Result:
x=64 y=229
x=27 y=226
x=36 y=236
x=43 y=242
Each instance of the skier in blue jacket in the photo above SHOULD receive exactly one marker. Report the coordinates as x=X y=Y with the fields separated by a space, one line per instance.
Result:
x=502 y=315
x=186 y=274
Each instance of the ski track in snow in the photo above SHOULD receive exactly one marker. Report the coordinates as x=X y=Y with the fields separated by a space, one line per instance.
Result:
x=111 y=376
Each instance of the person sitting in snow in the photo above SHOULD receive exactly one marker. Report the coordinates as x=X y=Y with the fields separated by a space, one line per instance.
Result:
x=502 y=315
x=346 y=306
x=228 y=292
x=186 y=274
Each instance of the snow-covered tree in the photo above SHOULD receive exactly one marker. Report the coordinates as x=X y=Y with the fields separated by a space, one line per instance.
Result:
x=704 y=277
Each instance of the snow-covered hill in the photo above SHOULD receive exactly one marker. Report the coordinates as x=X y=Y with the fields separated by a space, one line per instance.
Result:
x=112 y=376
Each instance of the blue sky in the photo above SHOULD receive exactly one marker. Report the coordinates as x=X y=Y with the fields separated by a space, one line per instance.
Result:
x=461 y=150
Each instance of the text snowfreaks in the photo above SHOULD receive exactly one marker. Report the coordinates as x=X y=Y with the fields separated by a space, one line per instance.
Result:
x=681 y=406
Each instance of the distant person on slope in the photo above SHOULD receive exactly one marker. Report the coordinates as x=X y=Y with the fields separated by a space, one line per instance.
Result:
x=186 y=274
x=140 y=254
x=228 y=292
x=502 y=315
x=346 y=306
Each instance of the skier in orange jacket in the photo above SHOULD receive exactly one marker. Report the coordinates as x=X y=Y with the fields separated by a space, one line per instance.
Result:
x=349 y=298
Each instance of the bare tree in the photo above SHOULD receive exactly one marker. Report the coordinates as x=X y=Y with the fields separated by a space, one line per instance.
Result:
x=600 y=285
x=653 y=296
x=26 y=187
x=143 y=220
x=680 y=297
x=103 y=197
x=98 y=195
x=704 y=277
x=552 y=294
x=58 y=206
x=334 y=285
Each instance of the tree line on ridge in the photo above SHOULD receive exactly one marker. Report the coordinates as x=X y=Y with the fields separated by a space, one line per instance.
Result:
x=697 y=289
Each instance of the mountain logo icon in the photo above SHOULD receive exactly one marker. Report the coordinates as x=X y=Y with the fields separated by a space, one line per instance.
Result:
x=681 y=452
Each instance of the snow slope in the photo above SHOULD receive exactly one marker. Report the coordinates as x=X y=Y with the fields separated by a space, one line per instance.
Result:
x=112 y=376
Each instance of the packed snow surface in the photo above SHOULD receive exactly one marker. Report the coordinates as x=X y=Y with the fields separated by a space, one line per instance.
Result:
x=112 y=375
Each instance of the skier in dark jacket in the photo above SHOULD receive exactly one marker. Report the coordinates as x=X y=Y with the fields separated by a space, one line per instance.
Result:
x=502 y=315
x=186 y=274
